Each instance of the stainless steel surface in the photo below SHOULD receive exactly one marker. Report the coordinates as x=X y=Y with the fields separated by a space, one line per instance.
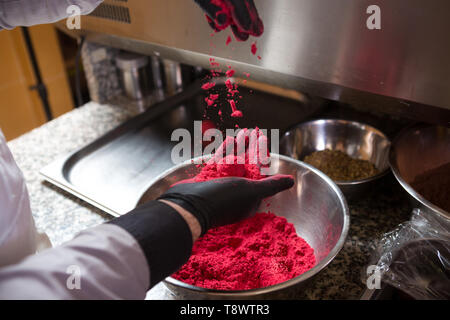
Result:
x=157 y=80
x=133 y=74
x=321 y=47
x=315 y=206
x=416 y=150
x=112 y=172
x=358 y=140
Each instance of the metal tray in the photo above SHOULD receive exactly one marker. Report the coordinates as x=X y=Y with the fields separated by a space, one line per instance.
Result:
x=114 y=171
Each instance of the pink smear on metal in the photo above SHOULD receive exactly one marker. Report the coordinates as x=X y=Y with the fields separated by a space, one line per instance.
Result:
x=228 y=40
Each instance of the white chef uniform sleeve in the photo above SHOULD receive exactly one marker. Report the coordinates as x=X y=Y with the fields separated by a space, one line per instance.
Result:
x=104 y=262
x=14 y=13
x=120 y=259
x=18 y=233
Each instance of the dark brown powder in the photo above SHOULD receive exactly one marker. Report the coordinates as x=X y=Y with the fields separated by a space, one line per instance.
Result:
x=434 y=185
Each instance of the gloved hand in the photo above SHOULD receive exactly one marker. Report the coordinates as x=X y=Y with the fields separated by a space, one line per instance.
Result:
x=223 y=201
x=241 y=15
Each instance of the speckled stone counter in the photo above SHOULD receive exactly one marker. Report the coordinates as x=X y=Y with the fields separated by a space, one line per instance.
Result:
x=62 y=215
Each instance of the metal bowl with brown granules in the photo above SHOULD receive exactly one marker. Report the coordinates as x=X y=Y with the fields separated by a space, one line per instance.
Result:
x=341 y=167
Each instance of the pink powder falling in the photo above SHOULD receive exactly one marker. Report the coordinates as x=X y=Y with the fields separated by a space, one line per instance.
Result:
x=213 y=62
x=208 y=85
x=209 y=102
x=230 y=73
x=213 y=96
x=228 y=84
x=254 y=48
x=235 y=113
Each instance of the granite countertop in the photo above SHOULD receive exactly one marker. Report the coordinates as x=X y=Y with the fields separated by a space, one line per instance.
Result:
x=62 y=215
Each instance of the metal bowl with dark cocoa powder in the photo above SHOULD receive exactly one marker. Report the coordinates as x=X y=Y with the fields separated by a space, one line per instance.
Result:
x=419 y=159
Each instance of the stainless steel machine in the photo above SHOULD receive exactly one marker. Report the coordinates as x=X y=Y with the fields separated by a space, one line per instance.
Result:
x=319 y=47
x=315 y=48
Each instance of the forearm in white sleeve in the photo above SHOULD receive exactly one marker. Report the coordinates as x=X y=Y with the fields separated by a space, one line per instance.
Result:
x=14 y=13
x=104 y=262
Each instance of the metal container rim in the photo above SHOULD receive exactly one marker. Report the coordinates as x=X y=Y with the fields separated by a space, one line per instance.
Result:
x=408 y=188
x=359 y=125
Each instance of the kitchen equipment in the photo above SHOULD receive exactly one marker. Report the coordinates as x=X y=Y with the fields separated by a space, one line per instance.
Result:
x=133 y=74
x=173 y=76
x=358 y=140
x=321 y=47
x=415 y=150
x=315 y=205
x=111 y=171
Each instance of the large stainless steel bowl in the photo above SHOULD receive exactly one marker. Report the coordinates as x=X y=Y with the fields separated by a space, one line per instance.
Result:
x=415 y=150
x=358 y=140
x=315 y=205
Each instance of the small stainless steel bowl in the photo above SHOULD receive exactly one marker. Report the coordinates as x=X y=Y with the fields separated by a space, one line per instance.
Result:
x=415 y=150
x=315 y=206
x=358 y=140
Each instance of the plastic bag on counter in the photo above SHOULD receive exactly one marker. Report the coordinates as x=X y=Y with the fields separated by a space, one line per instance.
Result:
x=415 y=257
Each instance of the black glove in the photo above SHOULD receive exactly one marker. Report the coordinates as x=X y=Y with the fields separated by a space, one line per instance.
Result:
x=223 y=201
x=241 y=15
x=162 y=233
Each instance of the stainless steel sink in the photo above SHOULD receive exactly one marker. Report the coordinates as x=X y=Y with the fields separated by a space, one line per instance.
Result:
x=114 y=171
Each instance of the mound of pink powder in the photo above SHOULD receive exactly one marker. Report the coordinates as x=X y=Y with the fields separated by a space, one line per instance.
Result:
x=257 y=252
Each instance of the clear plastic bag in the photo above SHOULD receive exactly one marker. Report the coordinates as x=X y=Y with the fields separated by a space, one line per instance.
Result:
x=415 y=257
